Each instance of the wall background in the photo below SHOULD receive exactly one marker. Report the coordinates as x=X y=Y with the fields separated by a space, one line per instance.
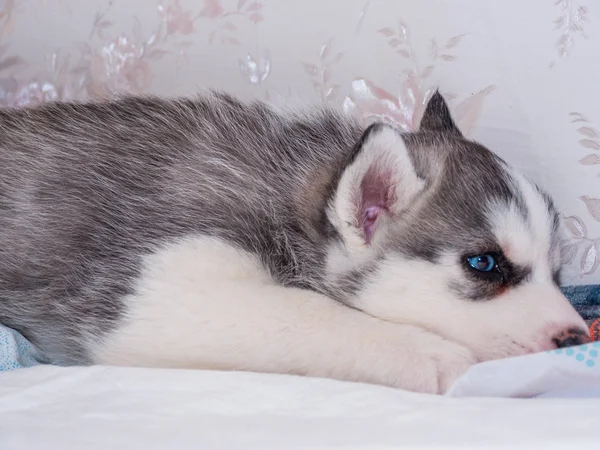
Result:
x=522 y=77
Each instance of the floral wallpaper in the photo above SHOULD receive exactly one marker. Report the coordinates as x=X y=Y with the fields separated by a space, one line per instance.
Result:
x=521 y=77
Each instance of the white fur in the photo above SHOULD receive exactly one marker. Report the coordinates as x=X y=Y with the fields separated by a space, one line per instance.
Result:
x=523 y=320
x=526 y=242
x=203 y=304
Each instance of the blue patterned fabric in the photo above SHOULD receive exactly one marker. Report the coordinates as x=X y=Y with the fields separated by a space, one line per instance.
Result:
x=16 y=352
x=585 y=299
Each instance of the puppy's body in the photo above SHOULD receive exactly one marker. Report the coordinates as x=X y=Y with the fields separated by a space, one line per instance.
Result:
x=213 y=234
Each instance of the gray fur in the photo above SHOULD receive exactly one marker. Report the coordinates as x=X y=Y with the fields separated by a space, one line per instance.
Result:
x=87 y=190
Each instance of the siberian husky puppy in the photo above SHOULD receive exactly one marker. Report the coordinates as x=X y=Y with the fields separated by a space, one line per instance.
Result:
x=208 y=233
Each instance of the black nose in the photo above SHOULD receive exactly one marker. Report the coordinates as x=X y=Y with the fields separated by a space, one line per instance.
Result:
x=571 y=337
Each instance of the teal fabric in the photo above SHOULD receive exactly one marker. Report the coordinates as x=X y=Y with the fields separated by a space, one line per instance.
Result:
x=15 y=351
x=585 y=299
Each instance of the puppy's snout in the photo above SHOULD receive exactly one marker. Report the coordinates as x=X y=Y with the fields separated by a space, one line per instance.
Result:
x=571 y=337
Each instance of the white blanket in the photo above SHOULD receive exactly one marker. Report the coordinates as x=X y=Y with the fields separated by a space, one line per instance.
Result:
x=111 y=408
x=572 y=372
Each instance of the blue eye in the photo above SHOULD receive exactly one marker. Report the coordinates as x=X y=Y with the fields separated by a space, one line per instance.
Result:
x=482 y=263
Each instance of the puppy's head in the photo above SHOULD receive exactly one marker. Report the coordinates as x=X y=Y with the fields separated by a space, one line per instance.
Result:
x=447 y=236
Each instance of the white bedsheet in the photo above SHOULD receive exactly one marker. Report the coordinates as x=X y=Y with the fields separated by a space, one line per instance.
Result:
x=108 y=408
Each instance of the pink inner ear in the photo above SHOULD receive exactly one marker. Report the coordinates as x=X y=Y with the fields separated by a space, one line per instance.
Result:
x=376 y=196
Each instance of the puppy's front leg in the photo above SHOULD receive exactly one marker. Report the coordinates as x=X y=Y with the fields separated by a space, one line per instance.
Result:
x=262 y=327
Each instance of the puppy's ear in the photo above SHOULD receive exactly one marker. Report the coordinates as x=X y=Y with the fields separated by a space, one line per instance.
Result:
x=437 y=116
x=376 y=185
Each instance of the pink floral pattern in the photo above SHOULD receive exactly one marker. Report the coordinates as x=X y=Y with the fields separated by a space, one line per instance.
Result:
x=256 y=70
x=579 y=241
x=570 y=23
x=227 y=29
x=321 y=72
x=405 y=108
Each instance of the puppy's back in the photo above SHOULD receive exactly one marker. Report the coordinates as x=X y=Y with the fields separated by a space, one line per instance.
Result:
x=86 y=190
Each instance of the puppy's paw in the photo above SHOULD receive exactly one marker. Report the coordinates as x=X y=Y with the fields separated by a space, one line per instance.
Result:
x=430 y=363
x=451 y=360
